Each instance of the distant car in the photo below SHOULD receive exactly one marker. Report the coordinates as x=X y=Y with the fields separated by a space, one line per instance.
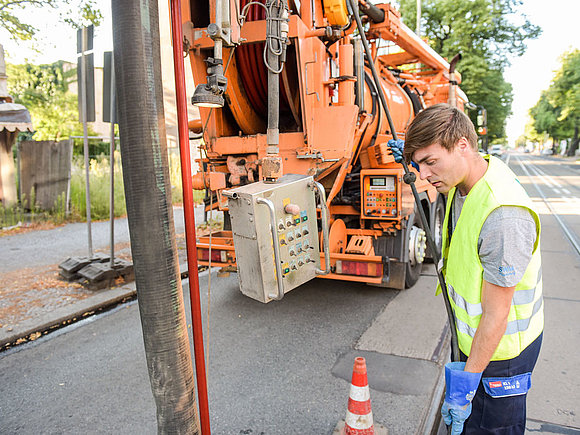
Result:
x=496 y=150
x=547 y=152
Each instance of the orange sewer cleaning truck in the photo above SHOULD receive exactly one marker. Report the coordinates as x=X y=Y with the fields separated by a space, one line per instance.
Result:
x=294 y=148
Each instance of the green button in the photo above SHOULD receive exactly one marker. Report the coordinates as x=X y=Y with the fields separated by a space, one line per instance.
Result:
x=304 y=218
x=287 y=270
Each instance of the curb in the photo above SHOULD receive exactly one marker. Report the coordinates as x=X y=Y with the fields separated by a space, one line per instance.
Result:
x=63 y=315
x=31 y=329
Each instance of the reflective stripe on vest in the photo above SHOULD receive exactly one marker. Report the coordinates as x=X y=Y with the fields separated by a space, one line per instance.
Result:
x=521 y=297
x=519 y=325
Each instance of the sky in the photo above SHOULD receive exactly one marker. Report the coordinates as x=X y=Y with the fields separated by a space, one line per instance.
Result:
x=532 y=73
x=528 y=74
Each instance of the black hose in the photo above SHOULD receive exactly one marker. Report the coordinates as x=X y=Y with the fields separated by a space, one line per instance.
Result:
x=150 y=214
x=410 y=179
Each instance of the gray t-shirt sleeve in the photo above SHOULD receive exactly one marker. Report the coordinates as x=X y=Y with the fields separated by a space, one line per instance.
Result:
x=505 y=245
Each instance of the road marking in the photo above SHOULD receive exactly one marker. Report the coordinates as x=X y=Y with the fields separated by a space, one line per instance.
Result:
x=546 y=175
x=567 y=232
x=537 y=173
x=566 y=191
x=507 y=161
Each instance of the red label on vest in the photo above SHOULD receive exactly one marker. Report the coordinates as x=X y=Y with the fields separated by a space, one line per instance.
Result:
x=495 y=384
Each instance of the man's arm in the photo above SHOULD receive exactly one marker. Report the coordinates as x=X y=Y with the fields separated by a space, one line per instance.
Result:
x=495 y=305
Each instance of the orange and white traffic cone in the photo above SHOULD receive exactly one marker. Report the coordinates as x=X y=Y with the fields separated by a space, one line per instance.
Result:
x=359 y=416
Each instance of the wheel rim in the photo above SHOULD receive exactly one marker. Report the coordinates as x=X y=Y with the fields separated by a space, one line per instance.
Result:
x=417 y=245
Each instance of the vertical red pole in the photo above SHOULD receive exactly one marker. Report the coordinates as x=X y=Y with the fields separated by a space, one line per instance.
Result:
x=188 y=208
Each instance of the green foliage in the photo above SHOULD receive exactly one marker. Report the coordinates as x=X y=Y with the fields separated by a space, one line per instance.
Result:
x=567 y=88
x=44 y=90
x=76 y=13
x=175 y=178
x=521 y=141
x=99 y=178
x=100 y=187
x=28 y=212
x=557 y=112
x=545 y=117
x=485 y=32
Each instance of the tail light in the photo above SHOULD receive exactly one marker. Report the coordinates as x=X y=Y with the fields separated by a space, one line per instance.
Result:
x=217 y=255
x=358 y=268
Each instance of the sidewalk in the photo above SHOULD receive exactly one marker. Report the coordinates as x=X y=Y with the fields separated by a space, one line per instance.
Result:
x=33 y=300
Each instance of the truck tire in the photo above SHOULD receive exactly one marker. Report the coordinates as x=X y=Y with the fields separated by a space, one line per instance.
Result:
x=437 y=224
x=415 y=264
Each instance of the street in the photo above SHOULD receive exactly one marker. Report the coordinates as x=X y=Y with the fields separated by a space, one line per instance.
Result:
x=285 y=367
x=555 y=395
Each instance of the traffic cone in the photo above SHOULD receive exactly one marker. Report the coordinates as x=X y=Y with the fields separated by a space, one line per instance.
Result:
x=359 y=416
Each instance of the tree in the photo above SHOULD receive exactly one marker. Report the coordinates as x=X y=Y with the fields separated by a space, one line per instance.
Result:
x=566 y=88
x=485 y=32
x=76 y=13
x=44 y=90
x=557 y=112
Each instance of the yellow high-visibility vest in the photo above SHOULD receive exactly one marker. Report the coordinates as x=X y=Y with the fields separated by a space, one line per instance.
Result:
x=464 y=274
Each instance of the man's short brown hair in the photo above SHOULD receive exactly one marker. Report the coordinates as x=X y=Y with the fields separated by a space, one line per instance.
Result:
x=441 y=124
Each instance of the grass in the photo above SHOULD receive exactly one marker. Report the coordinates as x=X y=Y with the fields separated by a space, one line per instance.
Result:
x=99 y=180
x=17 y=216
x=99 y=174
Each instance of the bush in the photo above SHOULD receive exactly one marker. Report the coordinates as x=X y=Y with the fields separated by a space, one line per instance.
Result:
x=99 y=174
x=100 y=186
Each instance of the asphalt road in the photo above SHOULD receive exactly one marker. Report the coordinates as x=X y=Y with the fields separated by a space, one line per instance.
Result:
x=270 y=366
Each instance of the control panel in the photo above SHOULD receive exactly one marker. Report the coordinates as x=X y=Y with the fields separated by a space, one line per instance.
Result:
x=287 y=209
x=380 y=194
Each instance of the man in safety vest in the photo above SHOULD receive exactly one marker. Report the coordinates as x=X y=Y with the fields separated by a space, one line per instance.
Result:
x=492 y=267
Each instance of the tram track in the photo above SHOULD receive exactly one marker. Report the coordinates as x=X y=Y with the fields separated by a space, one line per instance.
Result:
x=558 y=188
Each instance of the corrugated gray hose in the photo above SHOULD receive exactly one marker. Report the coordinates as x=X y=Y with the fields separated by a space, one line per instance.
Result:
x=150 y=214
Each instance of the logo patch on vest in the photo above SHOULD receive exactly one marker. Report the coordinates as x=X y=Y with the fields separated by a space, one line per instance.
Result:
x=496 y=384
x=507 y=270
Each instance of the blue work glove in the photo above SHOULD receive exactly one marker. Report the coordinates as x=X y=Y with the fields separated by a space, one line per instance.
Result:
x=397 y=147
x=460 y=387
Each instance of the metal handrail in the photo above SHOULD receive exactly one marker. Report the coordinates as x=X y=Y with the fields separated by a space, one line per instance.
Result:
x=277 y=257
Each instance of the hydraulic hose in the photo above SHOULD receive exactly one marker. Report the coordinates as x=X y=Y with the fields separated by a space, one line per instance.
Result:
x=410 y=178
x=189 y=215
x=150 y=214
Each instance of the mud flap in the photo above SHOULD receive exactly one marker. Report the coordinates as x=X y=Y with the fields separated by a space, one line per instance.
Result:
x=394 y=277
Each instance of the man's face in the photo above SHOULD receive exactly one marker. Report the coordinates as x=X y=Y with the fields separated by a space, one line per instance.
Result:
x=442 y=168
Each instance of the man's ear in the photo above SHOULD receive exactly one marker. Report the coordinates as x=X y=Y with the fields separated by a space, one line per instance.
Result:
x=463 y=145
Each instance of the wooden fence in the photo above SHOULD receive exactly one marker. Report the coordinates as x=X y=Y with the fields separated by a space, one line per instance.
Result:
x=45 y=171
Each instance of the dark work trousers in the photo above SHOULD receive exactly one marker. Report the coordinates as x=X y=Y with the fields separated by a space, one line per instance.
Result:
x=505 y=415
